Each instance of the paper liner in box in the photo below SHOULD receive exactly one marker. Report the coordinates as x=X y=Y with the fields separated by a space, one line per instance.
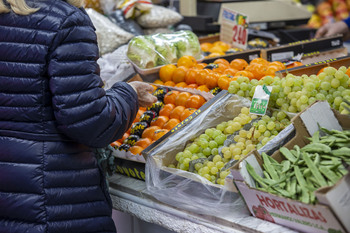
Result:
x=189 y=190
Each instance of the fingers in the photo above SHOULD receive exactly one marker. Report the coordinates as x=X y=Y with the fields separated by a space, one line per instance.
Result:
x=321 y=32
x=143 y=91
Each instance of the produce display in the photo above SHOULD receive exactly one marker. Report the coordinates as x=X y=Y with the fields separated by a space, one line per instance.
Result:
x=155 y=121
x=160 y=49
x=211 y=154
x=205 y=77
x=295 y=93
x=306 y=169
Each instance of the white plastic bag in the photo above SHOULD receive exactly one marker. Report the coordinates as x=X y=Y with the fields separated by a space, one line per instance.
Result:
x=187 y=190
x=158 y=17
x=109 y=35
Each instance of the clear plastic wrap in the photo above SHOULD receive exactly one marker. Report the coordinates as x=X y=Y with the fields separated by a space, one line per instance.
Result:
x=189 y=190
x=160 y=49
x=109 y=35
x=158 y=17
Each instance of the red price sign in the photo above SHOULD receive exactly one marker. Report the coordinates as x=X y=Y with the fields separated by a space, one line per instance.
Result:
x=234 y=28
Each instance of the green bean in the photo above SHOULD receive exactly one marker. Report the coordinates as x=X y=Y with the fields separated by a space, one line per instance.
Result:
x=316 y=148
x=255 y=176
x=307 y=172
x=266 y=174
x=299 y=177
x=305 y=196
x=316 y=137
x=317 y=159
x=341 y=152
x=269 y=168
x=293 y=186
x=288 y=155
x=314 y=170
x=286 y=166
x=329 y=174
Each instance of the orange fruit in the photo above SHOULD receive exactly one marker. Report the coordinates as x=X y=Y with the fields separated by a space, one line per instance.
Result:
x=211 y=80
x=159 y=133
x=159 y=82
x=176 y=112
x=149 y=132
x=222 y=61
x=136 y=150
x=186 y=61
x=259 y=60
x=224 y=82
x=348 y=72
x=170 y=97
x=238 y=64
x=166 y=110
x=166 y=72
x=245 y=73
x=169 y=84
x=192 y=86
x=179 y=74
x=159 y=121
x=230 y=71
x=216 y=54
x=279 y=64
x=191 y=76
x=217 y=49
x=200 y=79
x=115 y=144
x=201 y=65
x=181 y=85
x=295 y=64
x=257 y=69
x=144 y=142
x=203 y=88
x=221 y=67
x=321 y=70
x=186 y=113
x=271 y=70
x=182 y=98
x=206 y=46
x=125 y=136
x=195 y=101
x=138 y=115
x=222 y=45
x=171 y=123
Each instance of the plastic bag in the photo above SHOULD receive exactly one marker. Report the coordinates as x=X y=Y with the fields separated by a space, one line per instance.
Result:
x=187 y=190
x=94 y=4
x=153 y=31
x=128 y=25
x=115 y=67
x=109 y=35
x=161 y=49
x=134 y=8
x=159 y=17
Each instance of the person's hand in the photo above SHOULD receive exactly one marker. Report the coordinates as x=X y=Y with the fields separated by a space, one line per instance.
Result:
x=331 y=29
x=143 y=92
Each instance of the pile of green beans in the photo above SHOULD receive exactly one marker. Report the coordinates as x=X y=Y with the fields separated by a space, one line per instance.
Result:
x=320 y=163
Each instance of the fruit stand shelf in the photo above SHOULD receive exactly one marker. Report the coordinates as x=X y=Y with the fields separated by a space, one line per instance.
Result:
x=130 y=196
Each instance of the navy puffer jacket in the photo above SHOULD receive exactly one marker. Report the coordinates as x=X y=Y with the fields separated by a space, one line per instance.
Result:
x=53 y=111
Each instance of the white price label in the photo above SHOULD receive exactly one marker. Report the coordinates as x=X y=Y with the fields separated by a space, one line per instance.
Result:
x=234 y=28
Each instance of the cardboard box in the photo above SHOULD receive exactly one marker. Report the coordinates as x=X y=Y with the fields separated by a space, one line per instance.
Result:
x=308 y=46
x=330 y=214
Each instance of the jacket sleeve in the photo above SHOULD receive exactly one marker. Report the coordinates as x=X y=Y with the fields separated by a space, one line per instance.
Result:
x=84 y=111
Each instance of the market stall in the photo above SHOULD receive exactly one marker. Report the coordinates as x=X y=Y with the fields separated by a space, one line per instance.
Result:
x=250 y=130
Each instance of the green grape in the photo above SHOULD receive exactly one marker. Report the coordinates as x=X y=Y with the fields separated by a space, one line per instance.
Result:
x=236 y=126
x=236 y=151
x=210 y=164
x=186 y=162
x=328 y=79
x=330 y=98
x=171 y=166
x=229 y=129
x=207 y=176
x=311 y=100
x=193 y=148
x=209 y=132
x=204 y=136
x=216 y=133
x=232 y=90
x=338 y=100
x=245 y=110
x=240 y=79
x=216 y=158
x=257 y=134
x=303 y=99
x=250 y=147
x=298 y=94
x=303 y=106
x=291 y=95
x=330 y=70
x=240 y=93
x=242 y=140
x=279 y=101
x=271 y=125
x=336 y=93
x=264 y=141
x=296 y=88
x=240 y=145
x=322 y=75
x=179 y=155
x=310 y=86
x=219 y=164
x=220 y=139
x=254 y=82
x=266 y=134
x=198 y=166
x=204 y=143
x=236 y=138
x=181 y=160
x=207 y=151
x=262 y=128
x=346 y=92
x=244 y=86
x=292 y=109
x=287 y=90
x=281 y=116
x=213 y=144
x=194 y=157
x=243 y=133
x=320 y=96
x=220 y=127
x=227 y=155
x=313 y=93
x=214 y=170
x=215 y=151
x=339 y=75
x=262 y=122
x=268 y=80
x=187 y=154
x=182 y=167
x=342 y=68
x=293 y=102
x=335 y=83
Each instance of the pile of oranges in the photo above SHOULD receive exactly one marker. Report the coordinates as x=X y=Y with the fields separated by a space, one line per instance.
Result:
x=218 y=48
x=204 y=77
x=176 y=107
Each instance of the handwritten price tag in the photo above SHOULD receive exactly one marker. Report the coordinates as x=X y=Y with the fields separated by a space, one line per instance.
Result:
x=234 y=28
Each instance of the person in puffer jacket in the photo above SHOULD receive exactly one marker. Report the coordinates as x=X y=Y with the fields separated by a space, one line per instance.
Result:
x=53 y=113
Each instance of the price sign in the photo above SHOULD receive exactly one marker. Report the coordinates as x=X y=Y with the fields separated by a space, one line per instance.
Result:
x=234 y=28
